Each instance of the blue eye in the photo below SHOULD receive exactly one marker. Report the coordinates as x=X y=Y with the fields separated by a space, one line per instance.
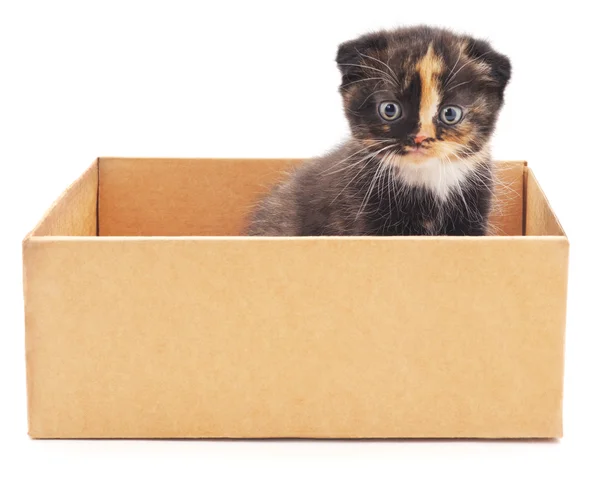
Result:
x=451 y=114
x=389 y=110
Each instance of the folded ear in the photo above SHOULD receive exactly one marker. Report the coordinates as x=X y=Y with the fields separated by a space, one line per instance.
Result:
x=351 y=54
x=500 y=64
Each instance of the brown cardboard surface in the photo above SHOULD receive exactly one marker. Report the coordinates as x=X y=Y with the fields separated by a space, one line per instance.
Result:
x=182 y=197
x=299 y=337
x=540 y=219
x=174 y=337
x=213 y=197
x=506 y=217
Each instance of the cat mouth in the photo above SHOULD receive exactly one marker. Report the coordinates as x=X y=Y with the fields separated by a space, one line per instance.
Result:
x=414 y=154
x=417 y=151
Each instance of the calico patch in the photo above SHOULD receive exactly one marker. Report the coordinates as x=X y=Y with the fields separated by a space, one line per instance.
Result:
x=422 y=104
x=424 y=71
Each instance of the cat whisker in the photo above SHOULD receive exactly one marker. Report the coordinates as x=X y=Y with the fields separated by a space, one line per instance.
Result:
x=378 y=70
x=471 y=61
x=369 y=191
x=453 y=68
x=482 y=180
x=393 y=73
x=328 y=171
x=463 y=148
x=389 y=185
x=459 y=84
x=440 y=179
x=460 y=192
x=369 y=96
x=352 y=165
x=367 y=79
x=368 y=159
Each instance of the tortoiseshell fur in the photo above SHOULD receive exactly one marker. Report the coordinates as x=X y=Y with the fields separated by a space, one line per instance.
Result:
x=379 y=182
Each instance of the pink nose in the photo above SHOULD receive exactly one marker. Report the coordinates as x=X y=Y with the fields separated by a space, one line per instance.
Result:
x=420 y=138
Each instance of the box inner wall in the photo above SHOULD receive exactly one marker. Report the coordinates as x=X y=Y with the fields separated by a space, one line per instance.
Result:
x=213 y=197
x=192 y=197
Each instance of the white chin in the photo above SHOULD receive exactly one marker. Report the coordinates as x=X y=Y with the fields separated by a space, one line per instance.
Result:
x=440 y=177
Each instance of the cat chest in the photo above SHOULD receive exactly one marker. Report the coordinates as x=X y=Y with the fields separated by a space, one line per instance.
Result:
x=417 y=214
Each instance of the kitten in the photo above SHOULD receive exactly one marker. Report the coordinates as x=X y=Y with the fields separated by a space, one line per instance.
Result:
x=422 y=104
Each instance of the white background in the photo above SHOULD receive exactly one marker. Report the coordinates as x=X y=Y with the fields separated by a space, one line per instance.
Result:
x=84 y=79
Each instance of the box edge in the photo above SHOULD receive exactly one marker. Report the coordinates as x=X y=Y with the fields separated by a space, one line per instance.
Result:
x=531 y=173
x=57 y=200
x=25 y=246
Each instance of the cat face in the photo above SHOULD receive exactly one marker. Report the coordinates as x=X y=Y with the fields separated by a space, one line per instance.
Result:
x=420 y=93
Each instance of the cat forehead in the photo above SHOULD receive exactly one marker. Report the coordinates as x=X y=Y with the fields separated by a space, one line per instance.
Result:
x=434 y=60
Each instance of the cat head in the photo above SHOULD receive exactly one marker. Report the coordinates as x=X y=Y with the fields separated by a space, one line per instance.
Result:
x=421 y=93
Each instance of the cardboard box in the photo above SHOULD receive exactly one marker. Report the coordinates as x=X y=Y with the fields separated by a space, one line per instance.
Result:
x=143 y=319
